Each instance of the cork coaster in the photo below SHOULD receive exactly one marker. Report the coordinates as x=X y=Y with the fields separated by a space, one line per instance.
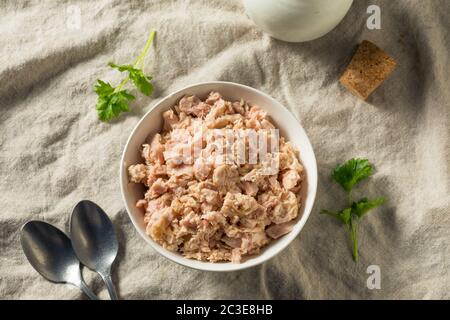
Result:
x=369 y=67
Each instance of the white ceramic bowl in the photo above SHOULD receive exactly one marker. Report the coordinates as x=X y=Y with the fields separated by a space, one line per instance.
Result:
x=289 y=127
x=297 y=20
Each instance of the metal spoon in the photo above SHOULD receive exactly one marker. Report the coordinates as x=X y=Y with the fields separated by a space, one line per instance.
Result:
x=50 y=252
x=94 y=240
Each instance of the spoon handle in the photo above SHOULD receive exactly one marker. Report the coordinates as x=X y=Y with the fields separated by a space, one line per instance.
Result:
x=110 y=286
x=87 y=291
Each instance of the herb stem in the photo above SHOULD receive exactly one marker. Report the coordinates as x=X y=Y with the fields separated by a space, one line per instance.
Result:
x=138 y=60
x=120 y=86
x=144 y=52
x=354 y=240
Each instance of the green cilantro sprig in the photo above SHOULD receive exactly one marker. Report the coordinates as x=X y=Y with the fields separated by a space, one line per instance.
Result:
x=113 y=101
x=347 y=176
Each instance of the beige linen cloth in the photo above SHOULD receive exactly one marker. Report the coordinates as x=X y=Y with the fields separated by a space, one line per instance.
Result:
x=55 y=152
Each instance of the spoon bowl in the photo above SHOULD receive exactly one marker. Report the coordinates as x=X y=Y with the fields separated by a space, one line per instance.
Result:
x=50 y=252
x=94 y=240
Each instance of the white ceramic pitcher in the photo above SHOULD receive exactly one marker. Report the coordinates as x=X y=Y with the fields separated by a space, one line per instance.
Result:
x=297 y=20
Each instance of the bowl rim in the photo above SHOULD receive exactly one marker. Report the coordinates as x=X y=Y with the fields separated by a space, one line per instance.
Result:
x=211 y=266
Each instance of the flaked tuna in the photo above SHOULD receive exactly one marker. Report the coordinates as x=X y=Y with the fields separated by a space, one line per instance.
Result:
x=202 y=204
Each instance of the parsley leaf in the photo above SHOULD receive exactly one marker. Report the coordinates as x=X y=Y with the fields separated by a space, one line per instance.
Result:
x=352 y=172
x=103 y=88
x=344 y=215
x=349 y=217
x=110 y=102
x=347 y=175
x=140 y=80
x=114 y=100
x=361 y=207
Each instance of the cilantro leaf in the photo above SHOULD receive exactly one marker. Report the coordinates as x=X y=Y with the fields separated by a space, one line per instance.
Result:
x=352 y=172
